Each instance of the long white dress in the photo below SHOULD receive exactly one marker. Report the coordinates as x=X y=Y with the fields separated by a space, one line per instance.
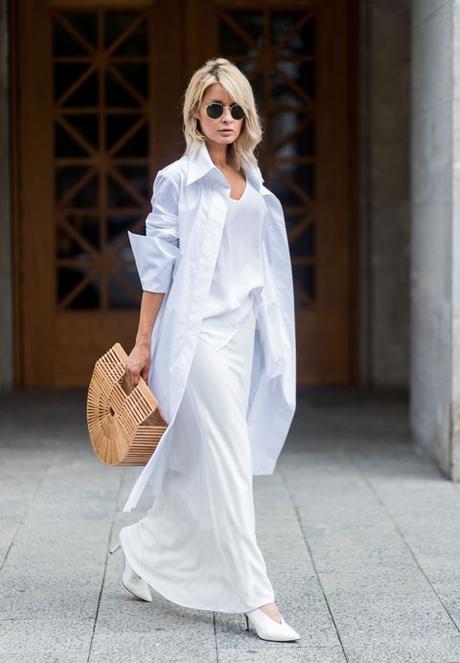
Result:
x=197 y=544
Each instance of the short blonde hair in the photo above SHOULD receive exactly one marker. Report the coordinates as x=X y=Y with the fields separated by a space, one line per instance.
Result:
x=227 y=74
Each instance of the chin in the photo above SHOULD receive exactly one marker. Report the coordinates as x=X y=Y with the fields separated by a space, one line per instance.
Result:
x=224 y=140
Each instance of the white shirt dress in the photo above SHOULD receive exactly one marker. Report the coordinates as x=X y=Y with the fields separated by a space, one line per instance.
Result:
x=177 y=256
x=197 y=543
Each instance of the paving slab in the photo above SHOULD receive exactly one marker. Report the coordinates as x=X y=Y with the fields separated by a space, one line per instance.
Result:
x=358 y=528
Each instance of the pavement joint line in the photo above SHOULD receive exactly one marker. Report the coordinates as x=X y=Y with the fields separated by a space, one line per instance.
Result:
x=104 y=573
x=215 y=635
x=310 y=553
x=369 y=483
x=26 y=513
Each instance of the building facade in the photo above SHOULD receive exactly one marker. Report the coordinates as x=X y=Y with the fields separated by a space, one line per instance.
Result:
x=358 y=100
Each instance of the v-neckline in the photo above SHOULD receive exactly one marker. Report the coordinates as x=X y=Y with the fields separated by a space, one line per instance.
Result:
x=237 y=200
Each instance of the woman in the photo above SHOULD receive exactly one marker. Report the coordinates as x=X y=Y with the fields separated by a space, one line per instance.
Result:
x=197 y=543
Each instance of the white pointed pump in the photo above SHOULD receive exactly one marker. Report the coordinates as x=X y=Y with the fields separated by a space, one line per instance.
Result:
x=268 y=628
x=132 y=581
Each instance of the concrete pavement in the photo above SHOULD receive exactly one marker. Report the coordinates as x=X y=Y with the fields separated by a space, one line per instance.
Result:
x=360 y=534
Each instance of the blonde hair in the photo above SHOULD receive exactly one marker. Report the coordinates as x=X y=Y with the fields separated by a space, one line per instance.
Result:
x=227 y=74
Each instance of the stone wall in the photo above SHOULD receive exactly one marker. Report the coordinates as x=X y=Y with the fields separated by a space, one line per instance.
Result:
x=384 y=191
x=435 y=250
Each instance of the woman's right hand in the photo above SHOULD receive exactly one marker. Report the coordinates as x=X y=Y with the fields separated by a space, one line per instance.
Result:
x=138 y=363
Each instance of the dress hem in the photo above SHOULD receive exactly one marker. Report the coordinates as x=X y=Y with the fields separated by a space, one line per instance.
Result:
x=168 y=596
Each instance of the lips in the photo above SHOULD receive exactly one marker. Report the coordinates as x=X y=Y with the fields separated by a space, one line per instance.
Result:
x=225 y=131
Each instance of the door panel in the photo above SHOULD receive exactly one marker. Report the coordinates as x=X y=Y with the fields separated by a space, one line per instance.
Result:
x=97 y=122
x=99 y=112
x=298 y=57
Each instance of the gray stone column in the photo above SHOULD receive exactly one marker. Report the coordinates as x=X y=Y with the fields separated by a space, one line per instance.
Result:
x=384 y=191
x=435 y=249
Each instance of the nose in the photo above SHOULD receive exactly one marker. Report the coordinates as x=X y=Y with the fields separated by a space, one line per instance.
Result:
x=227 y=115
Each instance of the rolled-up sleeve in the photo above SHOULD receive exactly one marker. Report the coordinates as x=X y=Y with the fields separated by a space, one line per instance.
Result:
x=156 y=252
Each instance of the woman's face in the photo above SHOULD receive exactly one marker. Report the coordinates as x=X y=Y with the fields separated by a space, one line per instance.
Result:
x=224 y=129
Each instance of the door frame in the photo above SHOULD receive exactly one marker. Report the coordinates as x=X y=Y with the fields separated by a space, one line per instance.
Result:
x=18 y=324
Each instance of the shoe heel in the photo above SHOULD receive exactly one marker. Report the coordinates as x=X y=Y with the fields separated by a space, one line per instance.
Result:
x=247 y=622
x=114 y=548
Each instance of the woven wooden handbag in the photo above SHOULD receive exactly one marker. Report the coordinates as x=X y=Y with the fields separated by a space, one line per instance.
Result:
x=124 y=421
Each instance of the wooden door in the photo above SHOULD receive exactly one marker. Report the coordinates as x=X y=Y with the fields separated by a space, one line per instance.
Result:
x=97 y=99
x=98 y=111
x=300 y=59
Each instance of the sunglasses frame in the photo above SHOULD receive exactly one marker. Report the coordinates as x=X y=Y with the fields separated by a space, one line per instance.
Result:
x=217 y=103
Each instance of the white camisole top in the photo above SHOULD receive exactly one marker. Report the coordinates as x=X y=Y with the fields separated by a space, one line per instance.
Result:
x=238 y=276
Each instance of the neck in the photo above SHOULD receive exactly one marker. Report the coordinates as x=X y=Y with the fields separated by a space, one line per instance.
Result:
x=218 y=154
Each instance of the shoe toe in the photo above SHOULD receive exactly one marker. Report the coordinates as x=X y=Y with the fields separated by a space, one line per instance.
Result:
x=136 y=585
x=293 y=634
x=289 y=631
x=144 y=593
x=139 y=588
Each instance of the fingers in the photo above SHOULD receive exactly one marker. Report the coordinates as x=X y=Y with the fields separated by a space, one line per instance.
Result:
x=137 y=366
x=134 y=375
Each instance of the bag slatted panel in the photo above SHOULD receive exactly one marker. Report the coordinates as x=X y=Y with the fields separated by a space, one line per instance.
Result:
x=124 y=422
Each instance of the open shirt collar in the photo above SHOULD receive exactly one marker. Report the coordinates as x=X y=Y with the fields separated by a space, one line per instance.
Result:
x=200 y=163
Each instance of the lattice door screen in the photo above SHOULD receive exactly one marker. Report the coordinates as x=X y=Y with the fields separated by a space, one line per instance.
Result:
x=276 y=49
x=101 y=153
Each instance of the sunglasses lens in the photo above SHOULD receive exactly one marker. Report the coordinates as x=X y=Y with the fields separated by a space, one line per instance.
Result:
x=237 y=112
x=214 y=110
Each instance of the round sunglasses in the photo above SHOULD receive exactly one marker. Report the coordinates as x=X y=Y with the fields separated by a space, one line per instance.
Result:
x=215 y=110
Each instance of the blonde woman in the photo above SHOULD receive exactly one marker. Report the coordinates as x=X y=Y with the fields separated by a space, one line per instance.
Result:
x=216 y=343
